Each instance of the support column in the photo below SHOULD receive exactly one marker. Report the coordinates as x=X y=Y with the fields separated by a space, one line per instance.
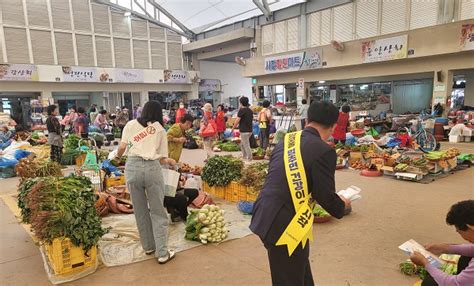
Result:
x=442 y=88
x=46 y=98
x=194 y=94
x=143 y=97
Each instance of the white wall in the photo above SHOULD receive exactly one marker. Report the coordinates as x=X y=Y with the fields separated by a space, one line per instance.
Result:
x=233 y=84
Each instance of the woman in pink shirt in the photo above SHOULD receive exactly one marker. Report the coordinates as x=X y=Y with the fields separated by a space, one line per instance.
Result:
x=461 y=216
x=101 y=120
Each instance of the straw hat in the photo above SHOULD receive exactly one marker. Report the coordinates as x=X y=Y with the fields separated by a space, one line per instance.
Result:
x=207 y=107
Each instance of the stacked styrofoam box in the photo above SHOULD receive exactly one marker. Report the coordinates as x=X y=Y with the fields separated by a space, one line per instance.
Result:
x=467 y=134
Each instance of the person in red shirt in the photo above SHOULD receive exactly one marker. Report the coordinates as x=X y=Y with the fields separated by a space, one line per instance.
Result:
x=220 y=121
x=180 y=112
x=340 y=131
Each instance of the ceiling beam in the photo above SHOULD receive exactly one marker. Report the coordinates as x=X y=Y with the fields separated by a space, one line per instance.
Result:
x=190 y=33
x=138 y=15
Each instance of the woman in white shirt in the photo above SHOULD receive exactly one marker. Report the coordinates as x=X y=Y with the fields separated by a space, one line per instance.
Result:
x=147 y=146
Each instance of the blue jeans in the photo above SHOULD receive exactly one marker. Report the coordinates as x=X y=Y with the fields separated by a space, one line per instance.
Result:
x=147 y=189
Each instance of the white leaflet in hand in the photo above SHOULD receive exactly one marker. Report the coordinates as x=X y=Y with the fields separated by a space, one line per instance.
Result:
x=352 y=193
x=410 y=246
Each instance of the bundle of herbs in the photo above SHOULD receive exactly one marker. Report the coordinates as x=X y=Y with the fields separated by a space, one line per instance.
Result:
x=62 y=207
x=221 y=170
x=32 y=168
x=253 y=176
x=229 y=146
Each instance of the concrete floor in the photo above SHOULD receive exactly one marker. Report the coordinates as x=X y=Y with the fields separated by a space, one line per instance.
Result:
x=360 y=249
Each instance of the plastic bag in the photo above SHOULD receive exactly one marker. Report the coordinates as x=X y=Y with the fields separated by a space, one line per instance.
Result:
x=457 y=130
x=108 y=166
x=20 y=154
x=4 y=162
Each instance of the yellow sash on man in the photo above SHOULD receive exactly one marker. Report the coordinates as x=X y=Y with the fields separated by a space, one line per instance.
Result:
x=300 y=229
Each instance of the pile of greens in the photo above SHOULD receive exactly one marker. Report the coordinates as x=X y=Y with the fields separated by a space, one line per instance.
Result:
x=71 y=150
x=61 y=207
x=408 y=268
x=229 y=146
x=258 y=152
x=253 y=176
x=221 y=170
x=71 y=142
x=318 y=211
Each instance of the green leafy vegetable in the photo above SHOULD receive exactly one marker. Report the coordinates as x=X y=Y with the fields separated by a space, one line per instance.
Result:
x=229 y=146
x=319 y=211
x=221 y=170
x=61 y=207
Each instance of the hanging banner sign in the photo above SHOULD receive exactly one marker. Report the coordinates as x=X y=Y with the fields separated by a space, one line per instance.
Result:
x=384 y=49
x=128 y=75
x=466 y=41
x=307 y=60
x=210 y=85
x=79 y=74
x=20 y=72
x=175 y=76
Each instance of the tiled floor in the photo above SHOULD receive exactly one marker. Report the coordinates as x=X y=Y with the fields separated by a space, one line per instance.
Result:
x=360 y=249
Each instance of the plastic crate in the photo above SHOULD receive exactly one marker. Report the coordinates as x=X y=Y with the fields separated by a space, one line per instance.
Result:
x=252 y=197
x=115 y=181
x=66 y=258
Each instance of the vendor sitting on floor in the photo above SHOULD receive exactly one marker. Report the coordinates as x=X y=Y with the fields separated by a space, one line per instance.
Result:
x=461 y=215
x=177 y=206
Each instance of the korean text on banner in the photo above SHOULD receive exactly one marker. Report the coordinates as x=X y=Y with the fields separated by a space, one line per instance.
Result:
x=129 y=75
x=466 y=40
x=384 y=49
x=22 y=72
x=175 y=76
x=310 y=59
x=79 y=74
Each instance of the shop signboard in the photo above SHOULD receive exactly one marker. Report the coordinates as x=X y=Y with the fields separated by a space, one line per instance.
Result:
x=22 y=72
x=210 y=85
x=175 y=76
x=129 y=75
x=79 y=74
x=307 y=60
x=466 y=40
x=384 y=49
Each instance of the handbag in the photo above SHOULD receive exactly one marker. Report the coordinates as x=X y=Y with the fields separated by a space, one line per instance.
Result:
x=207 y=130
x=171 y=179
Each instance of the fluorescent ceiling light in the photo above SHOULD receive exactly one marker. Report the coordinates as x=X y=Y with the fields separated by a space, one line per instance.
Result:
x=320 y=87
x=351 y=85
x=322 y=81
x=127 y=14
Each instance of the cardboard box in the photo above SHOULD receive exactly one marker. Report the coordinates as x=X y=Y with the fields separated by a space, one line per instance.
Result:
x=434 y=168
x=416 y=170
x=379 y=162
x=452 y=163
x=387 y=170
x=390 y=162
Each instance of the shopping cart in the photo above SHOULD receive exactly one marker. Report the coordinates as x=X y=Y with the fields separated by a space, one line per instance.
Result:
x=88 y=165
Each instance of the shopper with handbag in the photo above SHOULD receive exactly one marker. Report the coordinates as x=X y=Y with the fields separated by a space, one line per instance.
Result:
x=208 y=130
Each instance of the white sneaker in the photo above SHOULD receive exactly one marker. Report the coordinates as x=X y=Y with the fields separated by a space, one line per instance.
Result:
x=171 y=254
